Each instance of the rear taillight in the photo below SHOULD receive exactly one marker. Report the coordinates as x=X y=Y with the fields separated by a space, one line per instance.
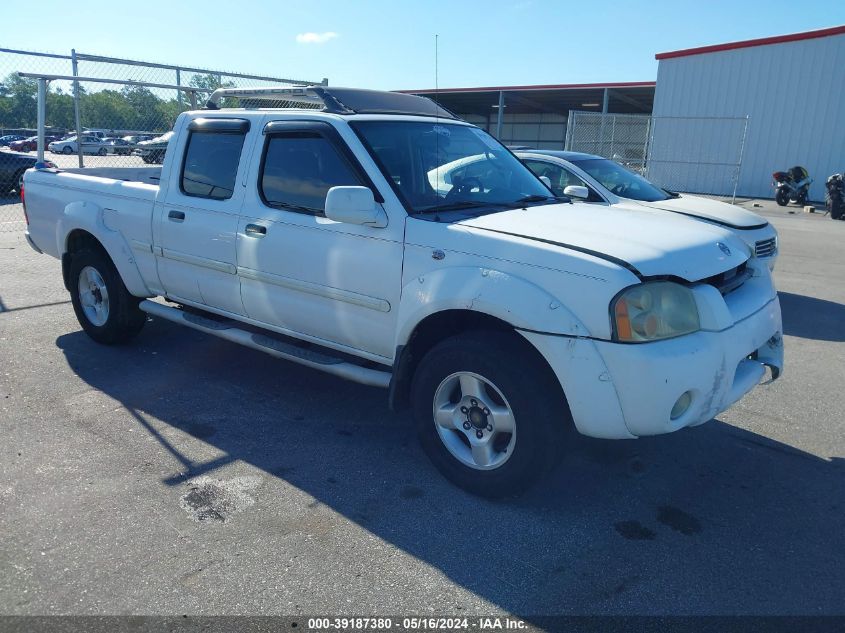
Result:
x=23 y=203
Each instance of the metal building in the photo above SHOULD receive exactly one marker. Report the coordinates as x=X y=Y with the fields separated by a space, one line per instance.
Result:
x=791 y=88
x=537 y=115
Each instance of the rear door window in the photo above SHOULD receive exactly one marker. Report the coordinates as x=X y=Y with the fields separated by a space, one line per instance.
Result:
x=210 y=166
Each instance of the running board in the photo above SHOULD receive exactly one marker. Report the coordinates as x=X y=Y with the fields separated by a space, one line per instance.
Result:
x=227 y=329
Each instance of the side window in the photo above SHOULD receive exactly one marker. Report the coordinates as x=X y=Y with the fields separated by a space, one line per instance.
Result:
x=298 y=170
x=211 y=164
x=560 y=177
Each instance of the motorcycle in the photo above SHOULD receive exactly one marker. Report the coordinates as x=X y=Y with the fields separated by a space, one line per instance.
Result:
x=835 y=196
x=791 y=186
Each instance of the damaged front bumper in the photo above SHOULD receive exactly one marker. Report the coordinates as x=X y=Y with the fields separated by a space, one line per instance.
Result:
x=618 y=390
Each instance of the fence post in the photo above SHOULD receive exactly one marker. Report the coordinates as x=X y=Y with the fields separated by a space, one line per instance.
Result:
x=42 y=116
x=501 y=115
x=179 y=92
x=739 y=164
x=649 y=141
x=75 y=69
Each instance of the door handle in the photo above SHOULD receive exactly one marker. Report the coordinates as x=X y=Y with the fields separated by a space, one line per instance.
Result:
x=176 y=216
x=255 y=230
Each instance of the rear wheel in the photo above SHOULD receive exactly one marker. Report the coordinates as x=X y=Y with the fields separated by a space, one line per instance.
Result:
x=105 y=309
x=67 y=150
x=488 y=413
x=102 y=151
x=782 y=197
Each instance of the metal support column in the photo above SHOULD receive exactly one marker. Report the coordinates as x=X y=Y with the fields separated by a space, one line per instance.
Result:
x=501 y=115
x=42 y=117
x=76 y=116
x=179 y=92
x=605 y=101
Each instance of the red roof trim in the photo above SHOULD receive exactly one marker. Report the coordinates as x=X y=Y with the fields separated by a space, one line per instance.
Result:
x=778 y=39
x=624 y=84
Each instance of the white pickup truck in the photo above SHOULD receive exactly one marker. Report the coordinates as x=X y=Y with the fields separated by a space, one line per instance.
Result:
x=500 y=314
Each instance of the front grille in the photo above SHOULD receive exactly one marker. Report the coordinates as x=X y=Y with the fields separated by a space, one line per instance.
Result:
x=766 y=248
x=730 y=280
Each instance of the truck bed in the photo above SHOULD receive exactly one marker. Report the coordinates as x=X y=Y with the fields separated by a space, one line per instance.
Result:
x=147 y=175
x=122 y=198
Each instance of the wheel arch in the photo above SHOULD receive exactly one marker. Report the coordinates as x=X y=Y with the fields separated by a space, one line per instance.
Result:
x=82 y=225
x=439 y=326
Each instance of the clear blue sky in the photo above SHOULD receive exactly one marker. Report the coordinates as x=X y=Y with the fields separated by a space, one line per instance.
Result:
x=390 y=44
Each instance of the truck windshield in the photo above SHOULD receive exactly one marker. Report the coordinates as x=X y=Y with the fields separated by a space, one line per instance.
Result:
x=620 y=181
x=440 y=166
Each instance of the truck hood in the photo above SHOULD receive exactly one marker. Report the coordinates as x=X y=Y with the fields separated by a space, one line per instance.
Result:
x=711 y=210
x=647 y=242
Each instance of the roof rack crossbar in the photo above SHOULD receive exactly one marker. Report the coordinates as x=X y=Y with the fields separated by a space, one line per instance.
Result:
x=303 y=95
x=336 y=100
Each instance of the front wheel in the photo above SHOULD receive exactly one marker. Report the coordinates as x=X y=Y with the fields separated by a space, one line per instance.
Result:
x=489 y=413
x=782 y=197
x=102 y=151
x=67 y=150
x=105 y=309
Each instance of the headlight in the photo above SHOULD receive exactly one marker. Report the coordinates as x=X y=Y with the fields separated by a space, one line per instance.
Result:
x=653 y=311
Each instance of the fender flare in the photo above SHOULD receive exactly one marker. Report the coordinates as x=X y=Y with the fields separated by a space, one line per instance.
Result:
x=511 y=299
x=92 y=218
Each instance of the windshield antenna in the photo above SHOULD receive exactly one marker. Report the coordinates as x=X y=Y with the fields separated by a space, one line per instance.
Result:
x=436 y=118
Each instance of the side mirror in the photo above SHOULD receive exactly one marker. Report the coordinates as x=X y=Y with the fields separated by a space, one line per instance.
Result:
x=577 y=191
x=354 y=205
x=546 y=181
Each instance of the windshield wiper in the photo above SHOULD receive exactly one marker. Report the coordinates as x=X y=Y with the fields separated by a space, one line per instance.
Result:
x=534 y=197
x=463 y=204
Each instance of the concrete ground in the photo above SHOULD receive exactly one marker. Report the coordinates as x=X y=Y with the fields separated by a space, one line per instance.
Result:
x=184 y=475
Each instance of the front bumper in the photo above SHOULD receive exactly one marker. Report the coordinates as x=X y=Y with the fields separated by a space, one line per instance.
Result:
x=618 y=390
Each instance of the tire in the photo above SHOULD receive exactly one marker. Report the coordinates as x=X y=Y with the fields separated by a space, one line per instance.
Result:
x=67 y=150
x=471 y=378
x=837 y=209
x=14 y=185
x=102 y=151
x=782 y=197
x=118 y=318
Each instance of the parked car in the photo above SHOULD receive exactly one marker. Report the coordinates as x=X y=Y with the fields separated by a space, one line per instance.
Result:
x=137 y=138
x=153 y=150
x=30 y=144
x=12 y=168
x=118 y=146
x=498 y=313
x=603 y=182
x=5 y=141
x=90 y=145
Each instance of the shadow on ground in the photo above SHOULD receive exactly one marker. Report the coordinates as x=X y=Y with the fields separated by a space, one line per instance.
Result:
x=713 y=520
x=811 y=318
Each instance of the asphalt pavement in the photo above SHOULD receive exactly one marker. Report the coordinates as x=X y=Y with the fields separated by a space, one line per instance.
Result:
x=181 y=474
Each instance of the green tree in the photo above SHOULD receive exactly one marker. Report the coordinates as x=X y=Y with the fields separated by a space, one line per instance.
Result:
x=207 y=84
x=18 y=102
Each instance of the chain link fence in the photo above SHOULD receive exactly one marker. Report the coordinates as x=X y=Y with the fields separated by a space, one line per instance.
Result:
x=123 y=124
x=701 y=155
